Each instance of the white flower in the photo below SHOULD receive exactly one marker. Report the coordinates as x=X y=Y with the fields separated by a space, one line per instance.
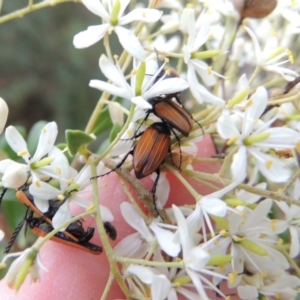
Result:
x=155 y=86
x=146 y=237
x=3 y=114
x=164 y=283
x=270 y=57
x=275 y=285
x=114 y=20
x=27 y=262
x=254 y=137
x=36 y=165
x=195 y=258
x=70 y=190
x=250 y=198
x=250 y=236
x=196 y=66
x=292 y=213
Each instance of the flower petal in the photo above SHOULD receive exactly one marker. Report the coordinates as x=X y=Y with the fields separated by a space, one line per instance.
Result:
x=110 y=88
x=62 y=215
x=280 y=138
x=17 y=142
x=96 y=7
x=146 y=15
x=128 y=246
x=145 y=274
x=135 y=221
x=166 y=86
x=15 y=176
x=3 y=114
x=239 y=164
x=295 y=247
x=130 y=43
x=89 y=37
x=160 y=287
x=113 y=72
x=46 y=141
x=140 y=102
x=214 y=206
x=165 y=239
x=225 y=126
x=271 y=167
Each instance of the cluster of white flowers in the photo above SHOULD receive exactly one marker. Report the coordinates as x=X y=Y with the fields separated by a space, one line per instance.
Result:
x=47 y=174
x=246 y=233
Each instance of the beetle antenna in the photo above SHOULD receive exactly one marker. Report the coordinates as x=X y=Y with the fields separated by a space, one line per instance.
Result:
x=2 y=194
x=16 y=233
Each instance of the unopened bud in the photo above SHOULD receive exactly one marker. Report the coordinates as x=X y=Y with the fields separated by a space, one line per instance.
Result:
x=3 y=114
x=254 y=8
x=15 y=176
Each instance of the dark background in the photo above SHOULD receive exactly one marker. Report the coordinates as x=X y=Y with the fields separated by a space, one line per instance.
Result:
x=42 y=75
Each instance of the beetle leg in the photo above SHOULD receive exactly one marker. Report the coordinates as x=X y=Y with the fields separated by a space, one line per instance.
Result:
x=16 y=232
x=119 y=165
x=110 y=230
x=153 y=190
x=180 y=153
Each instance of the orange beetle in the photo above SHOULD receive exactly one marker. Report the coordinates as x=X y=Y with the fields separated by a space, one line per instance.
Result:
x=172 y=114
x=74 y=235
x=151 y=149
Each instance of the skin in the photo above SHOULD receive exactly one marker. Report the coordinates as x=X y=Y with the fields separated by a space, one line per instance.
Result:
x=74 y=274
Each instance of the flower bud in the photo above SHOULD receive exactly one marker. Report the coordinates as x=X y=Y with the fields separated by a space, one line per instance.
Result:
x=254 y=8
x=3 y=114
x=1 y=235
x=24 y=264
x=15 y=176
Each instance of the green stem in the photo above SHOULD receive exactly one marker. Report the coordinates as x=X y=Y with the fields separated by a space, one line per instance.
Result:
x=255 y=73
x=143 y=262
x=192 y=191
x=107 y=46
x=290 y=260
x=293 y=98
x=133 y=202
x=107 y=286
x=30 y=3
x=105 y=242
x=30 y=8
x=165 y=53
x=264 y=193
x=291 y=181
x=227 y=162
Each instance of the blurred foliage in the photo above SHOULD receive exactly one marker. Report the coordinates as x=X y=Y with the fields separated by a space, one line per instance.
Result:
x=42 y=75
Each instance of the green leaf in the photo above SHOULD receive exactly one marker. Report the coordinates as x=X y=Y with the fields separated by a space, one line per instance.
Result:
x=34 y=135
x=77 y=138
x=114 y=132
x=103 y=122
